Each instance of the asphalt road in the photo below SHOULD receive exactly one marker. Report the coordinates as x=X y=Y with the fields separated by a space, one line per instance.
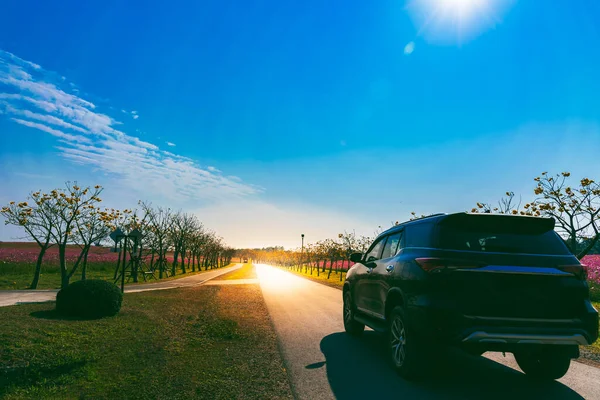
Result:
x=324 y=363
x=13 y=297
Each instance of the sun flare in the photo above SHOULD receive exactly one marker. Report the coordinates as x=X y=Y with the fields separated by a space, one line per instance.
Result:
x=455 y=21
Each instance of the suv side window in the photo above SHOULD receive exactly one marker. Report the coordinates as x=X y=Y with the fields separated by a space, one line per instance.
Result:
x=374 y=252
x=392 y=245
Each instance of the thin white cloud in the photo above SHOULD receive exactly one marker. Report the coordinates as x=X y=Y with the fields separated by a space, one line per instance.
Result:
x=136 y=116
x=53 y=132
x=409 y=48
x=32 y=97
x=171 y=144
x=19 y=61
x=44 y=118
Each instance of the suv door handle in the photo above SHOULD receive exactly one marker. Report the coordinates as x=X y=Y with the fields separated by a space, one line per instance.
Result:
x=389 y=268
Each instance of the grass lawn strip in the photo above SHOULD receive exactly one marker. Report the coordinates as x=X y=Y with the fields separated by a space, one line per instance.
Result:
x=206 y=342
x=333 y=281
x=20 y=278
x=246 y=272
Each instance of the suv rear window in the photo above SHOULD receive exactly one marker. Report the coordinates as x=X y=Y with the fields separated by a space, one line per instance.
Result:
x=503 y=234
x=419 y=234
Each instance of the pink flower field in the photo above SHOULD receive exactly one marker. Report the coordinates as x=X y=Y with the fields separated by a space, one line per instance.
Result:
x=29 y=255
x=593 y=267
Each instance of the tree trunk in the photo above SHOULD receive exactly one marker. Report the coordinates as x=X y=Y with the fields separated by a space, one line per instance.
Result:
x=64 y=276
x=330 y=268
x=84 y=267
x=174 y=264
x=38 y=267
x=182 y=254
x=161 y=265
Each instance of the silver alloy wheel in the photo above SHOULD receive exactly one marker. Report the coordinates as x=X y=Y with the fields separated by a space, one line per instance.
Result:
x=347 y=309
x=398 y=341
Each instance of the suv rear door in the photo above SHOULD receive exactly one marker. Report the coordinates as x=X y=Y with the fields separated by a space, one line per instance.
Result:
x=506 y=266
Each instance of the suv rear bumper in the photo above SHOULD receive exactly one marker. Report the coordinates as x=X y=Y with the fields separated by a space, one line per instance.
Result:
x=482 y=337
x=448 y=326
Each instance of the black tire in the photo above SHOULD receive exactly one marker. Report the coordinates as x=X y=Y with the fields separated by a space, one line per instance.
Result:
x=544 y=364
x=350 y=325
x=408 y=353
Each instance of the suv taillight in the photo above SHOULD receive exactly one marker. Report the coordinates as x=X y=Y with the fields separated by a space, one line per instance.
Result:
x=579 y=270
x=434 y=264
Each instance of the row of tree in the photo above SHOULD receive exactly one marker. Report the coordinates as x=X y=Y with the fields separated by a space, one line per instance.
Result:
x=575 y=207
x=73 y=216
x=325 y=256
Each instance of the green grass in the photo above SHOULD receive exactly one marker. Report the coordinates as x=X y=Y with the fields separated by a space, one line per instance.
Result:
x=246 y=272
x=595 y=296
x=595 y=293
x=19 y=275
x=170 y=278
x=596 y=346
x=333 y=281
x=206 y=342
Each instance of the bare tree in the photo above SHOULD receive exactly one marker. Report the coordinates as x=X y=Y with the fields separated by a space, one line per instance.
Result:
x=575 y=209
x=35 y=222
x=506 y=205
x=160 y=221
x=68 y=205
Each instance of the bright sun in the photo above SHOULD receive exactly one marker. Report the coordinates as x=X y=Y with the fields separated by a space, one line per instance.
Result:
x=462 y=7
x=456 y=20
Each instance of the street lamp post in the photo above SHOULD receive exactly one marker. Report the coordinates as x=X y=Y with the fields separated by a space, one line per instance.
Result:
x=302 y=253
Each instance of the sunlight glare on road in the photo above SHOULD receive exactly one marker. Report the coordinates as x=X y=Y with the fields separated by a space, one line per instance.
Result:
x=276 y=279
x=456 y=21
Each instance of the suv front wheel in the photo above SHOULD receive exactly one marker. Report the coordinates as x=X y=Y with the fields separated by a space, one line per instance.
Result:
x=547 y=364
x=350 y=325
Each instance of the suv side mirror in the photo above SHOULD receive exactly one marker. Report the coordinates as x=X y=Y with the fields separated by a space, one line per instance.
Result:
x=356 y=257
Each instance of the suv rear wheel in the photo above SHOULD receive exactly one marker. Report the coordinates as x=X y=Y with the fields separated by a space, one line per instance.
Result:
x=350 y=325
x=547 y=364
x=407 y=351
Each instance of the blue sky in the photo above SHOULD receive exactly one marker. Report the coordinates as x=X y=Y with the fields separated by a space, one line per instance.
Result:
x=269 y=119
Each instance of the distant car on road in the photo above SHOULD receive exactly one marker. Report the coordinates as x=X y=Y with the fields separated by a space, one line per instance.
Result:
x=245 y=260
x=482 y=282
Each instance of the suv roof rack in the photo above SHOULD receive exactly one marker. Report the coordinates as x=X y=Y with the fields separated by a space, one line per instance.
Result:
x=426 y=216
x=412 y=220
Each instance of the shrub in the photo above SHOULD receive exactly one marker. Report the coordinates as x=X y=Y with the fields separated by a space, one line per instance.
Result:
x=91 y=298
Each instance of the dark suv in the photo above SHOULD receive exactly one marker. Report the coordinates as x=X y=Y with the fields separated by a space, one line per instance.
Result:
x=483 y=282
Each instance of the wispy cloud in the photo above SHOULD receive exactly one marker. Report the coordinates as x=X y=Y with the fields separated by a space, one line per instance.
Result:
x=53 y=132
x=409 y=48
x=36 y=98
x=171 y=144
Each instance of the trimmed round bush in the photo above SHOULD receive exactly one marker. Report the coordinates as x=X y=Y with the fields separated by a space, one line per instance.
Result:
x=92 y=298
